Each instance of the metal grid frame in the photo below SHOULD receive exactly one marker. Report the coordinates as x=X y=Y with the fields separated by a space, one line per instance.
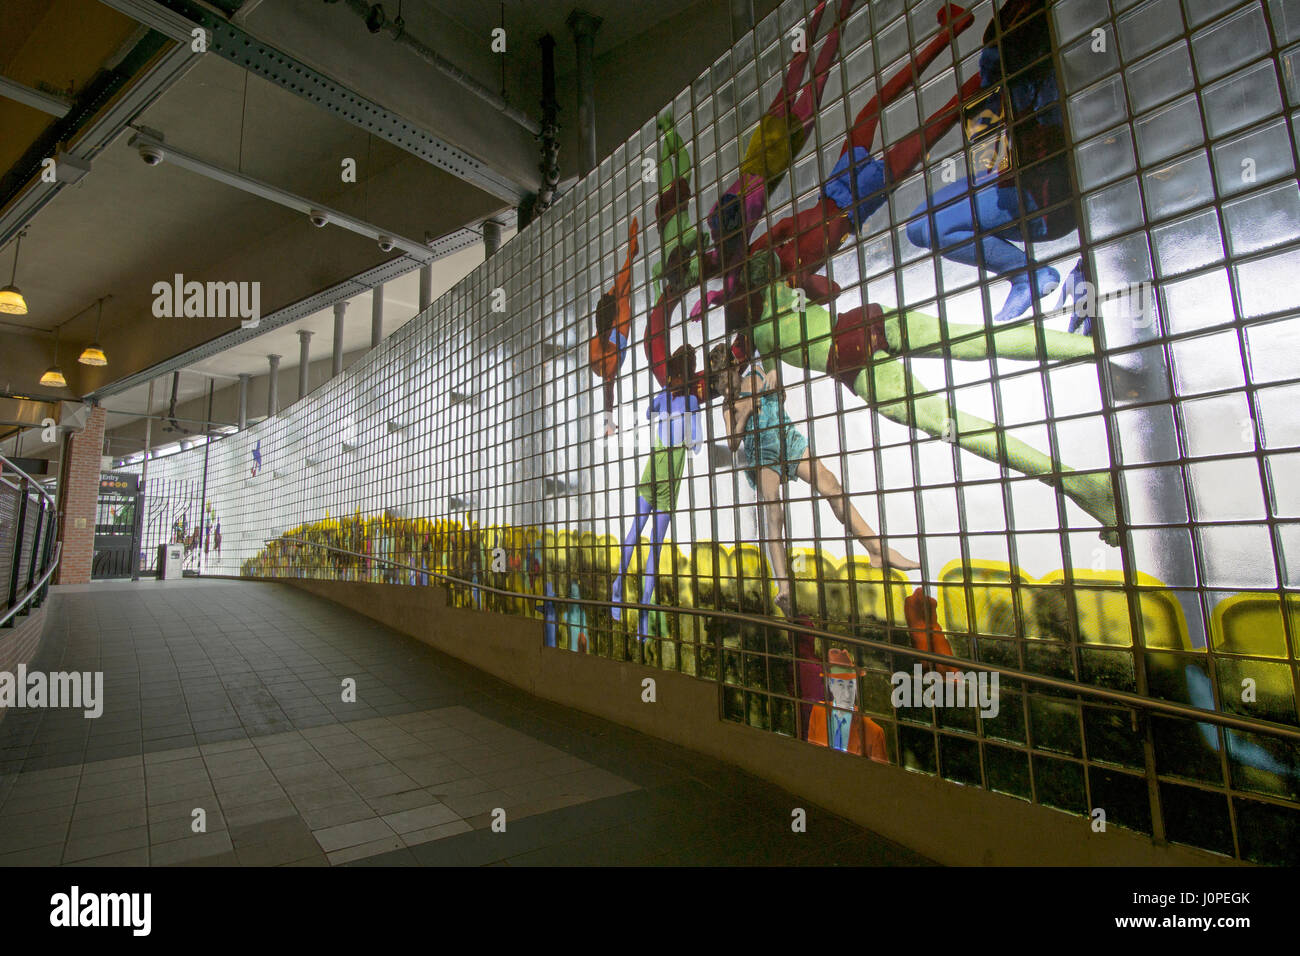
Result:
x=472 y=430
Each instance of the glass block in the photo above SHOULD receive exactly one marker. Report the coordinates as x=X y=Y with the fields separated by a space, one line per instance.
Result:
x=1159 y=78
x=1237 y=556
x=1202 y=11
x=1263 y=220
x=1196 y=303
x=1278 y=421
x=1078 y=17
x=1105 y=158
x=1082 y=64
x=1200 y=366
x=1241 y=100
x=1258 y=156
x=1147 y=27
x=1284 y=485
x=1170 y=130
x=1147 y=434
x=1290 y=61
x=1154 y=495
x=1286 y=20
x=1098 y=108
x=1113 y=210
x=1226 y=490
x=1267 y=285
x=1186 y=244
x=1231 y=43
x=1178 y=186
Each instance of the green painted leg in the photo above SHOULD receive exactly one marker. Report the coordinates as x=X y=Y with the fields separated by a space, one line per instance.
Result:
x=887 y=387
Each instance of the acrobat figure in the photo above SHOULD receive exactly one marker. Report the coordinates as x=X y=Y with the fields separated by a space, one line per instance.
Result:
x=675 y=416
x=778 y=453
x=608 y=347
x=839 y=726
x=772 y=148
x=860 y=184
x=257 y=458
x=864 y=349
x=216 y=539
x=976 y=222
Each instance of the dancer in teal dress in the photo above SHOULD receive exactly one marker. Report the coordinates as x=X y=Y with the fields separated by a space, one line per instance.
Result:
x=778 y=453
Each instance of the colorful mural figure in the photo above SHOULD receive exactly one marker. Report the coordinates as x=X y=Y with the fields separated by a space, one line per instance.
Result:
x=608 y=347
x=788 y=261
x=675 y=418
x=777 y=453
x=1026 y=175
x=836 y=723
x=257 y=459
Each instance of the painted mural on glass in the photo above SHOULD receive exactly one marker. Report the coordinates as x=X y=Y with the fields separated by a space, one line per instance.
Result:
x=907 y=327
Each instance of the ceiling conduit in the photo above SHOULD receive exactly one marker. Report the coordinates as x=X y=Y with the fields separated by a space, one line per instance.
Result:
x=377 y=21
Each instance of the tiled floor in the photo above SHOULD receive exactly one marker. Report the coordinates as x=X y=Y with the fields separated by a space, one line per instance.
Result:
x=226 y=740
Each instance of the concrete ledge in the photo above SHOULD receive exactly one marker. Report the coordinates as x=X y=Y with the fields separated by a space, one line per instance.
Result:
x=21 y=643
x=948 y=822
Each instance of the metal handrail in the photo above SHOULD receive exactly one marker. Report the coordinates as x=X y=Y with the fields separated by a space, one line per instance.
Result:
x=31 y=482
x=36 y=588
x=1123 y=698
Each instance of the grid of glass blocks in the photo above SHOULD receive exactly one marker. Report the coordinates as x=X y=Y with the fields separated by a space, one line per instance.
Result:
x=903 y=328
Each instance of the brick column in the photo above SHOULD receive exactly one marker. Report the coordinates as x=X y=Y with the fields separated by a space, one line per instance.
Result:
x=78 y=495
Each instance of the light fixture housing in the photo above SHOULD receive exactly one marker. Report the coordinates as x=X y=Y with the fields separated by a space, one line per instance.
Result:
x=12 y=301
x=53 y=378
x=93 y=355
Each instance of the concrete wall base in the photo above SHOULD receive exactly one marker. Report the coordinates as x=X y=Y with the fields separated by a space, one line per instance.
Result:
x=947 y=822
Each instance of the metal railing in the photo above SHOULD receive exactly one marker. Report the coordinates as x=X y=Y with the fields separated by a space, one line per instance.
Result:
x=29 y=553
x=1122 y=698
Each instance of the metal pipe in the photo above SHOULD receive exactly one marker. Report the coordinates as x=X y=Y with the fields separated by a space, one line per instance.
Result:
x=340 y=310
x=1120 y=697
x=377 y=22
x=583 y=26
x=377 y=316
x=143 y=497
x=426 y=287
x=304 y=361
x=243 y=400
x=273 y=387
x=550 y=165
x=742 y=18
x=491 y=237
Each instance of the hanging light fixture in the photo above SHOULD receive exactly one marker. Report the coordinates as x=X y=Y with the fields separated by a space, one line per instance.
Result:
x=11 y=300
x=92 y=354
x=53 y=377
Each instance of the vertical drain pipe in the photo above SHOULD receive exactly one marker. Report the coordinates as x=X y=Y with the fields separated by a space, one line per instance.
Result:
x=377 y=316
x=550 y=165
x=742 y=18
x=583 y=26
x=491 y=237
x=304 y=362
x=273 y=387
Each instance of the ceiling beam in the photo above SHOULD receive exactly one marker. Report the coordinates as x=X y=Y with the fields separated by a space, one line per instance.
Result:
x=13 y=90
x=89 y=139
x=399 y=266
x=231 y=42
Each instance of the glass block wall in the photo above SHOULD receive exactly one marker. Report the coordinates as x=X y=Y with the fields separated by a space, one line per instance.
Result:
x=906 y=326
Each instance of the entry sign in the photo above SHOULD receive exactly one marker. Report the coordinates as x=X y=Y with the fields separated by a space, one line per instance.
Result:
x=118 y=483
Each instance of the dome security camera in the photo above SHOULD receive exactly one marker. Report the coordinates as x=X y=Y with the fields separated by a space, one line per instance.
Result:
x=318 y=218
x=386 y=243
x=151 y=154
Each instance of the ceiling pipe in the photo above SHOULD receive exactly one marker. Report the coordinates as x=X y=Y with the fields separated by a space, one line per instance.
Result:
x=377 y=21
x=154 y=150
